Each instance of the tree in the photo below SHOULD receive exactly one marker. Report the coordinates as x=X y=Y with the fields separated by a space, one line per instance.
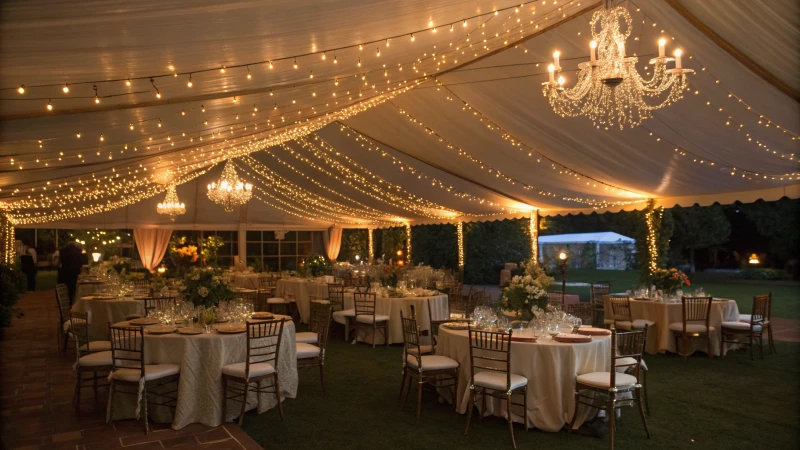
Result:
x=355 y=241
x=392 y=240
x=779 y=222
x=699 y=227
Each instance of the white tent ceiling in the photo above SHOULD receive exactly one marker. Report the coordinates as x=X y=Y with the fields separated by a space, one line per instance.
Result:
x=412 y=147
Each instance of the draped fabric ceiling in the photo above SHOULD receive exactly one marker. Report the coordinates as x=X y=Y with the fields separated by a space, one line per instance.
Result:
x=417 y=126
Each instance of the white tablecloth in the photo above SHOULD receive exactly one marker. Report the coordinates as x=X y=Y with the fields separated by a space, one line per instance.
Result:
x=392 y=306
x=247 y=280
x=303 y=290
x=201 y=358
x=85 y=288
x=550 y=367
x=660 y=339
x=104 y=311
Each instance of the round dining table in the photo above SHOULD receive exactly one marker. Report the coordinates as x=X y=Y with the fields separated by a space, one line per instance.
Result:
x=103 y=310
x=660 y=338
x=303 y=290
x=201 y=358
x=247 y=280
x=391 y=306
x=551 y=368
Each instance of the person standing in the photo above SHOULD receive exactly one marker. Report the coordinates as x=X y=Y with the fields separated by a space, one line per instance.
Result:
x=70 y=257
x=29 y=262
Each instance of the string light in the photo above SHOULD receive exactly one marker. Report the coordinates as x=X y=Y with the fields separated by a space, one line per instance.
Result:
x=460 y=234
x=65 y=89
x=222 y=69
x=127 y=83
x=370 y=245
x=534 y=233
x=21 y=89
x=295 y=63
x=408 y=242
x=49 y=105
x=96 y=97
x=249 y=77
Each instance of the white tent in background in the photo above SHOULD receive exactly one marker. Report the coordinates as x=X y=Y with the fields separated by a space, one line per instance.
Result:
x=606 y=250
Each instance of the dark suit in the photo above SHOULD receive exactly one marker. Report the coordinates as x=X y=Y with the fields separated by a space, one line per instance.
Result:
x=70 y=257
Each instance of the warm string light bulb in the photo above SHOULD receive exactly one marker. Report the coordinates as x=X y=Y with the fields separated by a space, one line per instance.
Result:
x=323 y=56
x=21 y=89
x=295 y=63
x=270 y=65
x=189 y=83
x=359 y=62
x=311 y=75
x=49 y=105
x=96 y=97
x=378 y=51
x=412 y=37
x=222 y=69
x=65 y=89
x=128 y=82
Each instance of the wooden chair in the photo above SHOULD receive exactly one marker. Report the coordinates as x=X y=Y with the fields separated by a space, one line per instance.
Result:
x=555 y=298
x=582 y=310
x=694 y=325
x=490 y=352
x=152 y=303
x=753 y=330
x=597 y=295
x=438 y=371
x=64 y=323
x=128 y=369
x=260 y=364
x=367 y=319
x=767 y=323
x=621 y=307
x=340 y=315
x=602 y=389
x=438 y=319
x=141 y=288
x=312 y=354
x=93 y=357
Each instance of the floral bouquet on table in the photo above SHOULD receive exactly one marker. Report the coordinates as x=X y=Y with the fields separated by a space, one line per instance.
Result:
x=526 y=294
x=670 y=280
x=183 y=254
x=206 y=286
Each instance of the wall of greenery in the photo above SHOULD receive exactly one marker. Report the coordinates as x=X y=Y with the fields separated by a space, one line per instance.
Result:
x=392 y=240
x=435 y=245
x=355 y=241
x=489 y=245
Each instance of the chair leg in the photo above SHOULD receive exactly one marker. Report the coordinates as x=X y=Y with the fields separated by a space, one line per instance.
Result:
x=770 y=340
x=244 y=402
x=111 y=402
x=510 y=422
x=644 y=388
x=641 y=411
x=407 y=382
x=722 y=351
x=278 y=395
x=64 y=345
x=94 y=385
x=685 y=345
x=224 y=399
x=708 y=346
x=374 y=334
x=612 y=417
x=144 y=399
x=751 y=346
x=574 y=413
x=419 y=396
x=76 y=398
x=761 y=344
x=525 y=406
x=402 y=383
x=322 y=377
x=470 y=408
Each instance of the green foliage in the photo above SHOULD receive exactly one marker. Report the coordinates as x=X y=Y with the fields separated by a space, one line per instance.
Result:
x=761 y=274
x=779 y=222
x=355 y=241
x=699 y=227
x=489 y=245
x=211 y=246
x=205 y=286
x=122 y=264
x=257 y=264
x=393 y=239
x=316 y=265
x=435 y=245
x=663 y=232
x=11 y=286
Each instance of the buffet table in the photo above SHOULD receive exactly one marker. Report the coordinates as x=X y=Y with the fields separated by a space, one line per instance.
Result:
x=550 y=367
x=201 y=358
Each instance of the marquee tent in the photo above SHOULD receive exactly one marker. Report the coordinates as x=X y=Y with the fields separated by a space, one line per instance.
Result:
x=367 y=114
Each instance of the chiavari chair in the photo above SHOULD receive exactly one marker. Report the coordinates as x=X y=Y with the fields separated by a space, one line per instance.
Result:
x=341 y=316
x=623 y=320
x=602 y=389
x=490 y=375
x=437 y=318
x=64 y=323
x=260 y=365
x=694 y=324
x=581 y=310
x=766 y=323
x=141 y=288
x=93 y=357
x=312 y=354
x=151 y=303
x=597 y=291
x=131 y=376
x=367 y=319
x=753 y=330
x=555 y=298
x=438 y=371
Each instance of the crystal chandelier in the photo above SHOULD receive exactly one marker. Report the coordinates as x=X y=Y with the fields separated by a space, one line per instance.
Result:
x=609 y=89
x=230 y=191
x=171 y=205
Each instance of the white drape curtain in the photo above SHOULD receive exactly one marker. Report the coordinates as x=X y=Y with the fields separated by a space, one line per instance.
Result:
x=152 y=244
x=333 y=241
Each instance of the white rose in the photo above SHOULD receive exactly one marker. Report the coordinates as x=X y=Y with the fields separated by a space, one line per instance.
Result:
x=202 y=291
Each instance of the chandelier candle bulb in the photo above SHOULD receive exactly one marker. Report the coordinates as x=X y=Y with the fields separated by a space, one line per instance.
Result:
x=661 y=43
x=678 y=54
x=552 y=70
x=556 y=63
x=593 y=51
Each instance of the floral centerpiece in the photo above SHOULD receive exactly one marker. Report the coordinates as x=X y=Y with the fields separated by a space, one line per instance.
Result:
x=387 y=274
x=206 y=286
x=670 y=280
x=183 y=254
x=526 y=294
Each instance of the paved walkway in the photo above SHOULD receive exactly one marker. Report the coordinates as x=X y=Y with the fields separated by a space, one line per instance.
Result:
x=36 y=388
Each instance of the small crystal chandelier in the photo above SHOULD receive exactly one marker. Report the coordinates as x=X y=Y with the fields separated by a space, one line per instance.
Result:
x=609 y=89
x=171 y=204
x=230 y=191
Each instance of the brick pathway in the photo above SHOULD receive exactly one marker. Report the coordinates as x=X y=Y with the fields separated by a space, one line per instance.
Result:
x=36 y=387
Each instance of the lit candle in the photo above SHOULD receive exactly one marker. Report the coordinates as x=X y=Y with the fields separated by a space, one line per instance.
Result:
x=556 y=64
x=678 y=54
x=561 y=81
x=552 y=69
x=661 y=43
x=592 y=51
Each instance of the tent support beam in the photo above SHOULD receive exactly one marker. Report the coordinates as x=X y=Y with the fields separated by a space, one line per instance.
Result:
x=733 y=51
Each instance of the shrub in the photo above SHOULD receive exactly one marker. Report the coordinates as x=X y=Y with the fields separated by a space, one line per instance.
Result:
x=761 y=274
x=11 y=286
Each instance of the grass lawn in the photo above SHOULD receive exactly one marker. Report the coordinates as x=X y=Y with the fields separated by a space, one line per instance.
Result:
x=699 y=403
x=785 y=295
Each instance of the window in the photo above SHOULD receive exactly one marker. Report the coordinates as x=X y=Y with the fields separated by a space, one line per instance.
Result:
x=264 y=249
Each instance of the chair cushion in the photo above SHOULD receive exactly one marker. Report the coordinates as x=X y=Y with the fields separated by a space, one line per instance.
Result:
x=306 y=350
x=132 y=316
x=608 y=321
x=603 y=379
x=151 y=372
x=690 y=327
x=497 y=380
x=433 y=362
x=637 y=324
x=95 y=359
x=341 y=316
x=277 y=301
x=323 y=301
x=628 y=361
x=426 y=350
x=747 y=318
x=367 y=318
x=256 y=370
x=66 y=326
x=307 y=337
x=742 y=326
x=97 y=346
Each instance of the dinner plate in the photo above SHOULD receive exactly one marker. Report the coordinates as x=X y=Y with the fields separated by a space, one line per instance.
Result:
x=230 y=329
x=572 y=338
x=190 y=330
x=456 y=325
x=144 y=321
x=523 y=338
x=590 y=331
x=160 y=330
